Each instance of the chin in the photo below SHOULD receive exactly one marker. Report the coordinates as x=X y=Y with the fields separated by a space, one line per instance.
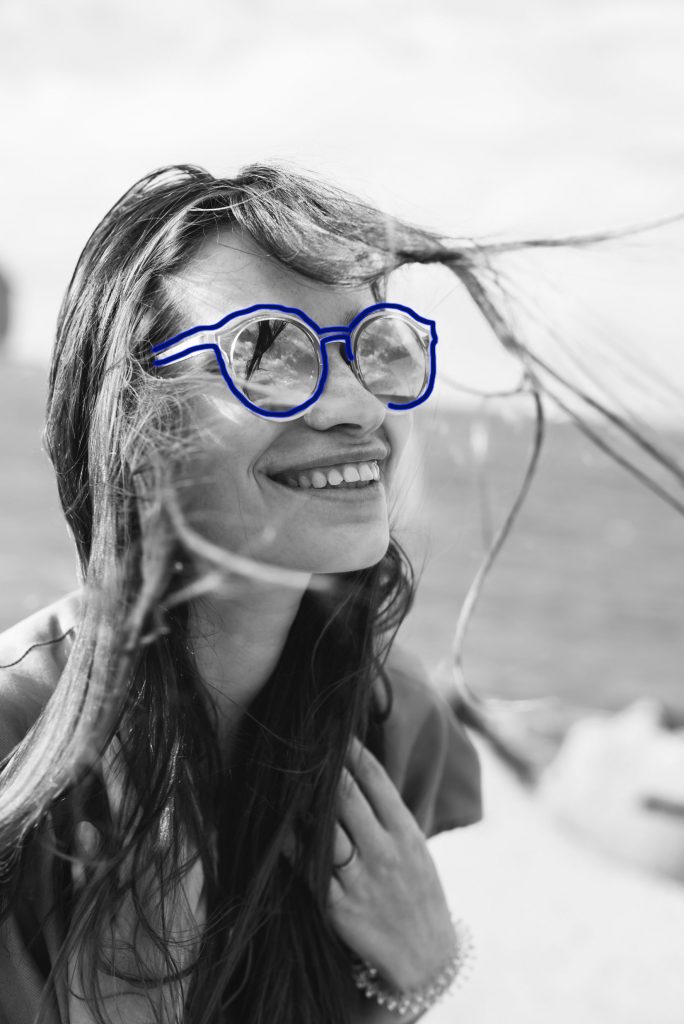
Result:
x=348 y=558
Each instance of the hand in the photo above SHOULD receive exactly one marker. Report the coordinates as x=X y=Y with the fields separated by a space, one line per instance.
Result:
x=387 y=904
x=619 y=781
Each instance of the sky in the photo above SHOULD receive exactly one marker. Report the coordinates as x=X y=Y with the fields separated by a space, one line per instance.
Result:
x=488 y=120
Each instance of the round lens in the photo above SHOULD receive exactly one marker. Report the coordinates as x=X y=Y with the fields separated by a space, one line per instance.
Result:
x=274 y=364
x=392 y=359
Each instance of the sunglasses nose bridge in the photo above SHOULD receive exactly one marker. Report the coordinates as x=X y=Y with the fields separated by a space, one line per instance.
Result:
x=340 y=336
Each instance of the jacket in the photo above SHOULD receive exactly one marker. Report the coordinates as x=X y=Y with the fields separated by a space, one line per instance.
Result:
x=429 y=757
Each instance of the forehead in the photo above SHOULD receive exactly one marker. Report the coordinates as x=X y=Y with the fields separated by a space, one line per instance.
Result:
x=230 y=271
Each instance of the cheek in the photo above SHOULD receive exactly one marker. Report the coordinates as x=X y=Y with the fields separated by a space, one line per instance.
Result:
x=399 y=429
x=405 y=491
x=231 y=442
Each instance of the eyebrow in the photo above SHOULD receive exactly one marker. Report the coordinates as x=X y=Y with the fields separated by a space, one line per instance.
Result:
x=349 y=315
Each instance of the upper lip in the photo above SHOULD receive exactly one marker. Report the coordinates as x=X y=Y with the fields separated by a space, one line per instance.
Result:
x=363 y=454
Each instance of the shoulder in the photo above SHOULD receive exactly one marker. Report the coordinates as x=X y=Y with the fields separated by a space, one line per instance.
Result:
x=429 y=754
x=418 y=709
x=411 y=686
x=33 y=654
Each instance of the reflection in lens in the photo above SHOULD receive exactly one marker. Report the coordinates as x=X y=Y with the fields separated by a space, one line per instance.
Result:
x=274 y=364
x=392 y=359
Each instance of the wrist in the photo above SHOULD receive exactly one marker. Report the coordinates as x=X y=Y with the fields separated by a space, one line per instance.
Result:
x=408 y=969
x=371 y=1013
x=410 y=976
x=411 y=1003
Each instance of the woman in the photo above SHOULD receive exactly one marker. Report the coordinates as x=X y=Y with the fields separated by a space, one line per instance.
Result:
x=218 y=776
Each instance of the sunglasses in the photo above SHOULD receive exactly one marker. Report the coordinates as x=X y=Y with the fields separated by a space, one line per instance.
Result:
x=274 y=360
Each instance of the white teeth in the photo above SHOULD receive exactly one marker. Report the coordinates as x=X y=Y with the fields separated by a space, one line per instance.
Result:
x=318 y=479
x=334 y=477
x=350 y=473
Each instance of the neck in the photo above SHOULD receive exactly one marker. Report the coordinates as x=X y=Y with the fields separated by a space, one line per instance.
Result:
x=236 y=643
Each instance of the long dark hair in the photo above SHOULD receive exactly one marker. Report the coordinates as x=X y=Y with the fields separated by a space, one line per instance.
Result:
x=120 y=442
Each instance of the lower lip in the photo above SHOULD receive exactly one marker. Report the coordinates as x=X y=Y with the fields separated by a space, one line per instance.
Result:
x=354 y=494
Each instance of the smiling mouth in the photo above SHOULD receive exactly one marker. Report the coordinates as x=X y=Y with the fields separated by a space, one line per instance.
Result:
x=340 y=490
x=318 y=483
x=346 y=477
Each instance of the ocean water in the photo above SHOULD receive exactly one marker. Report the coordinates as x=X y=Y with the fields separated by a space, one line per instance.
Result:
x=586 y=600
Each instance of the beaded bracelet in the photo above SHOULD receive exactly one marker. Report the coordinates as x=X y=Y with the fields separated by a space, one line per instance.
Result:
x=456 y=970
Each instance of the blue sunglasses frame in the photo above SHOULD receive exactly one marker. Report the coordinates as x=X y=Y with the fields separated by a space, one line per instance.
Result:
x=325 y=335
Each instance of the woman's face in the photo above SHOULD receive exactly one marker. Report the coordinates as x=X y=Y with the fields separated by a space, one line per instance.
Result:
x=241 y=500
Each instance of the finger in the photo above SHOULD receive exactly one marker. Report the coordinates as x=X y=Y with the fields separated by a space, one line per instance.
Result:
x=357 y=816
x=343 y=847
x=379 y=790
x=336 y=893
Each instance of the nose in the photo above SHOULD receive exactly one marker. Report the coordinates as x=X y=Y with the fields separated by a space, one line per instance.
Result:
x=344 y=399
